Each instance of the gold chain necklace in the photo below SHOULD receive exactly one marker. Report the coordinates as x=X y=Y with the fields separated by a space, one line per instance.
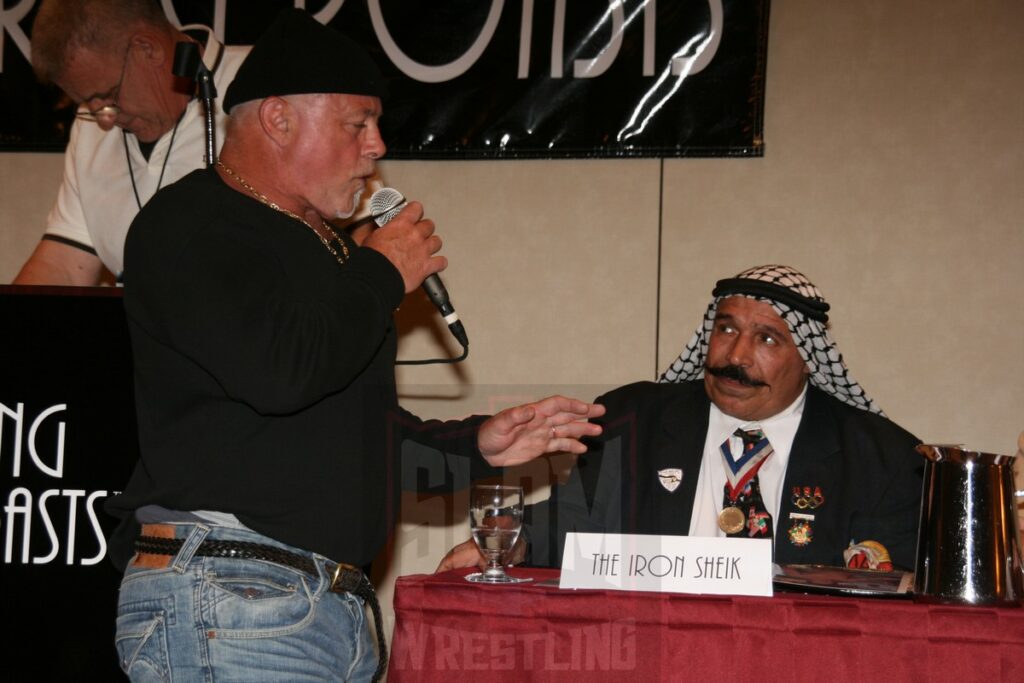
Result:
x=340 y=258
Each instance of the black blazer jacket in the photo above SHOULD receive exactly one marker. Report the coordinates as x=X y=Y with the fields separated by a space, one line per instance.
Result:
x=865 y=466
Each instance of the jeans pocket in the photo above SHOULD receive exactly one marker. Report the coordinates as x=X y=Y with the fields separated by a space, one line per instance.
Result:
x=141 y=639
x=251 y=599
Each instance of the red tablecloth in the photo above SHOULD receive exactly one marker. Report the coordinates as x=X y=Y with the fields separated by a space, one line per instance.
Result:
x=447 y=629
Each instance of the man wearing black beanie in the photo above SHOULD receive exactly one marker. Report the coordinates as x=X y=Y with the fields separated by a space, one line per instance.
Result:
x=269 y=425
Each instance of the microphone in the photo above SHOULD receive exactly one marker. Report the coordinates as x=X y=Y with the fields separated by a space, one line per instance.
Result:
x=385 y=204
x=188 y=64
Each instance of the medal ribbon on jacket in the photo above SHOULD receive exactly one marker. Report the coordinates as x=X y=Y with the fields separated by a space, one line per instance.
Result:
x=742 y=504
x=740 y=470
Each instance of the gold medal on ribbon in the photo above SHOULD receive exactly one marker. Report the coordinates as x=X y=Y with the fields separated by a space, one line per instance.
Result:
x=731 y=520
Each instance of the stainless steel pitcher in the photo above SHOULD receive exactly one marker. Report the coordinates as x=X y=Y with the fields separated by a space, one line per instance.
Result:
x=969 y=547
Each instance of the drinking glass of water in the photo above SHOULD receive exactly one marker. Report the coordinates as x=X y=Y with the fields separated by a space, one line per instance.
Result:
x=495 y=518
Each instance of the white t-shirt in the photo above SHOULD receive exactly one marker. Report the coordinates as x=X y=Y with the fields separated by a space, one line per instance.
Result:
x=780 y=430
x=96 y=204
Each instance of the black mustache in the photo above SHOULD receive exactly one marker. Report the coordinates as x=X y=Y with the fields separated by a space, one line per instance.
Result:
x=737 y=373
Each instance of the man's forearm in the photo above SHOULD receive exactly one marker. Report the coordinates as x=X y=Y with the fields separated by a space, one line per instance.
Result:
x=55 y=263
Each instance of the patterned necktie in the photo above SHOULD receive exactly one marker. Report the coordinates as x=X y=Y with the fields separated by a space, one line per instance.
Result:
x=744 y=514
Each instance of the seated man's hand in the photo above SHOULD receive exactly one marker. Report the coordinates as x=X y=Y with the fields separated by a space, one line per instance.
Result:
x=467 y=554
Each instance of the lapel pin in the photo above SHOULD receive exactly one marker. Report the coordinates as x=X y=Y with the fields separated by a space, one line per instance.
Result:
x=800 y=532
x=670 y=478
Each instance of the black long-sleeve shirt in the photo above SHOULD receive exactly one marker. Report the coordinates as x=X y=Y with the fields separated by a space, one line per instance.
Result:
x=264 y=375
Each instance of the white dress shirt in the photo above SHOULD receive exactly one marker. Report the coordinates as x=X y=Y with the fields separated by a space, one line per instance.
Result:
x=780 y=430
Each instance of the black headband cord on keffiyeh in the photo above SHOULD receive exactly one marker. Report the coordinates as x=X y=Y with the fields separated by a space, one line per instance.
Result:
x=800 y=304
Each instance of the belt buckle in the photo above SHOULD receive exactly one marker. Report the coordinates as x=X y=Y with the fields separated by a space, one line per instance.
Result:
x=345 y=578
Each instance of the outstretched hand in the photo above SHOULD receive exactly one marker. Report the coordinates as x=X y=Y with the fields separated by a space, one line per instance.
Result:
x=552 y=425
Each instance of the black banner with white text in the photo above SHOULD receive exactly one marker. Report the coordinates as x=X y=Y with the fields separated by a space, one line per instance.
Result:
x=475 y=79
x=68 y=442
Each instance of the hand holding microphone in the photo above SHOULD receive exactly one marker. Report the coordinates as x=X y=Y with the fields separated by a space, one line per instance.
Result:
x=411 y=245
x=409 y=242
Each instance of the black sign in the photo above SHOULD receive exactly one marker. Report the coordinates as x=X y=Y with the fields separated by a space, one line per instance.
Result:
x=498 y=78
x=67 y=442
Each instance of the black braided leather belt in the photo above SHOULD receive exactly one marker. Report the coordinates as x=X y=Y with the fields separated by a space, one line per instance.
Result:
x=344 y=577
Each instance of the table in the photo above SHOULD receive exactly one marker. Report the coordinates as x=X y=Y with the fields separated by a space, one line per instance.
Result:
x=447 y=628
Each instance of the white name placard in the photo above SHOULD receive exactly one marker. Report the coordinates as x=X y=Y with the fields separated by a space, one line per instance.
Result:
x=667 y=564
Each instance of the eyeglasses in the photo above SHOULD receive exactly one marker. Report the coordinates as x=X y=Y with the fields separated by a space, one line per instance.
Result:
x=106 y=115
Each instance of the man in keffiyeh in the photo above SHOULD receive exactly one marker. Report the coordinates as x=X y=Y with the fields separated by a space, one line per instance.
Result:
x=803 y=310
x=756 y=430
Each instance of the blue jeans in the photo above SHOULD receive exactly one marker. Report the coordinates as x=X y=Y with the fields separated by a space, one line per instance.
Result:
x=225 y=619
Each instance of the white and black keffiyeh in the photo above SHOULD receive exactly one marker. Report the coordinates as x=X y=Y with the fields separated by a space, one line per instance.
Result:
x=800 y=304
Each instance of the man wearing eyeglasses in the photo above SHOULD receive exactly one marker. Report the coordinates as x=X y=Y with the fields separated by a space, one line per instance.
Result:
x=138 y=127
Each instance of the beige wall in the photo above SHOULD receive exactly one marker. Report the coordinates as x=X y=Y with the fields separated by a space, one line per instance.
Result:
x=28 y=187
x=893 y=177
